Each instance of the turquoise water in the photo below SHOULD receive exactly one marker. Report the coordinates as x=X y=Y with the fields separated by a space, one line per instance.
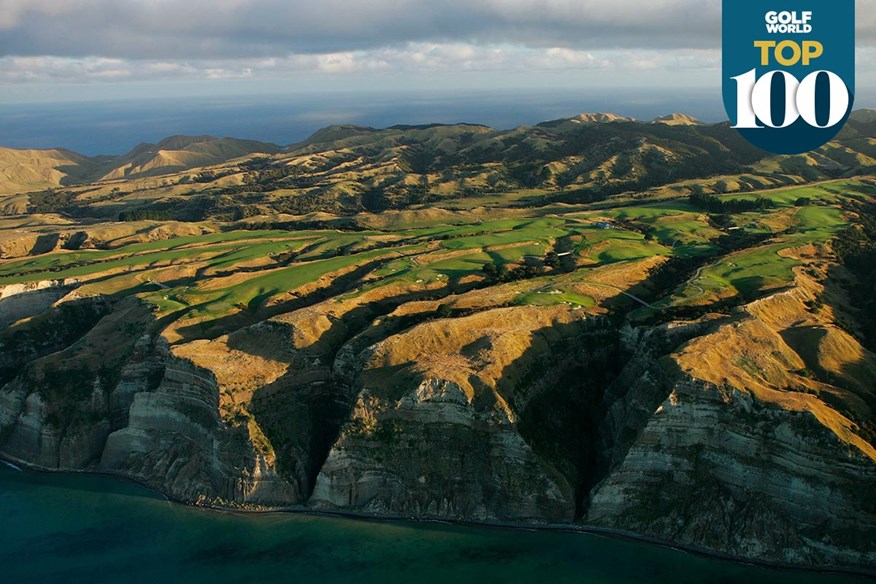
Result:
x=72 y=528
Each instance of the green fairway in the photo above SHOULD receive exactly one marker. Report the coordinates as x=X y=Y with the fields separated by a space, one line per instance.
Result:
x=81 y=263
x=614 y=245
x=554 y=297
x=669 y=227
x=144 y=260
x=451 y=269
x=541 y=230
x=251 y=293
x=829 y=192
x=746 y=273
x=819 y=221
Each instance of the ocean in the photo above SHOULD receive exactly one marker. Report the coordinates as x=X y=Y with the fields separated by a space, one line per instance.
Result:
x=84 y=528
x=114 y=127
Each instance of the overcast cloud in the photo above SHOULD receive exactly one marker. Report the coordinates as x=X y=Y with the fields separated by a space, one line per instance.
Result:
x=202 y=29
x=113 y=41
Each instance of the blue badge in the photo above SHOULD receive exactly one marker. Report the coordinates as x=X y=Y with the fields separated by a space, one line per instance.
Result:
x=789 y=71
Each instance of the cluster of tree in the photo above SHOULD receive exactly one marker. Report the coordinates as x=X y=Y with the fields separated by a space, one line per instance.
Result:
x=235 y=203
x=377 y=199
x=340 y=224
x=529 y=175
x=51 y=201
x=736 y=240
x=256 y=163
x=221 y=207
x=497 y=273
x=207 y=176
x=271 y=176
x=714 y=204
x=579 y=196
x=146 y=215
x=419 y=160
x=500 y=273
x=671 y=273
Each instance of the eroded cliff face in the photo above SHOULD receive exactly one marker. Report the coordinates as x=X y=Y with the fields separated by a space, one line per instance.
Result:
x=731 y=443
x=125 y=404
x=716 y=468
x=29 y=436
x=434 y=454
x=449 y=418
x=174 y=438
x=705 y=432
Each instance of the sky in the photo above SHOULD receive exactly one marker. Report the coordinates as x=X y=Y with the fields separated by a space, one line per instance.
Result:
x=69 y=50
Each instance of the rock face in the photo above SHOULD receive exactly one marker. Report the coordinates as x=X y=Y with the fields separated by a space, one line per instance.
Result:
x=440 y=425
x=715 y=468
x=752 y=474
x=174 y=438
x=453 y=322
x=156 y=420
x=433 y=453
x=28 y=436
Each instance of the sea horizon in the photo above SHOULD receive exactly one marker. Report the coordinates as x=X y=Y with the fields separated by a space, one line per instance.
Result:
x=115 y=126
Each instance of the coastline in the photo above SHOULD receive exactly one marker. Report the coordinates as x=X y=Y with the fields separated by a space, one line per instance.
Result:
x=620 y=534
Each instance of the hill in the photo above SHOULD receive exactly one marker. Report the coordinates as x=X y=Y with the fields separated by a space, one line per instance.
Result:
x=677 y=120
x=863 y=116
x=179 y=153
x=31 y=170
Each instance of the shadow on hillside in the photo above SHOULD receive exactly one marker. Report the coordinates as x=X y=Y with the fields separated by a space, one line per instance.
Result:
x=805 y=341
x=302 y=420
x=47 y=331
x=257 y=311
x=302 y=412
x=565 y=419
x=45 y=243
x=563 y=399
x=843 y=294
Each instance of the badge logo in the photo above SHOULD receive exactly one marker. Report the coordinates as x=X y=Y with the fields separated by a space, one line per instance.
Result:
x=789 y=71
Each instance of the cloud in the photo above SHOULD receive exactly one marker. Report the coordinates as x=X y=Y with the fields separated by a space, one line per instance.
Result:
x=204 y=29
x=408 y=59
x=115 y=40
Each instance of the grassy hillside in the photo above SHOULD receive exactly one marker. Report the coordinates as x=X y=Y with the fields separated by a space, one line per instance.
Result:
x=34 y=170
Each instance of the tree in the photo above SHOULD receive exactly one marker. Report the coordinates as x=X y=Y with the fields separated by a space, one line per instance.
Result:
x=375 y=200
x=444 y=311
